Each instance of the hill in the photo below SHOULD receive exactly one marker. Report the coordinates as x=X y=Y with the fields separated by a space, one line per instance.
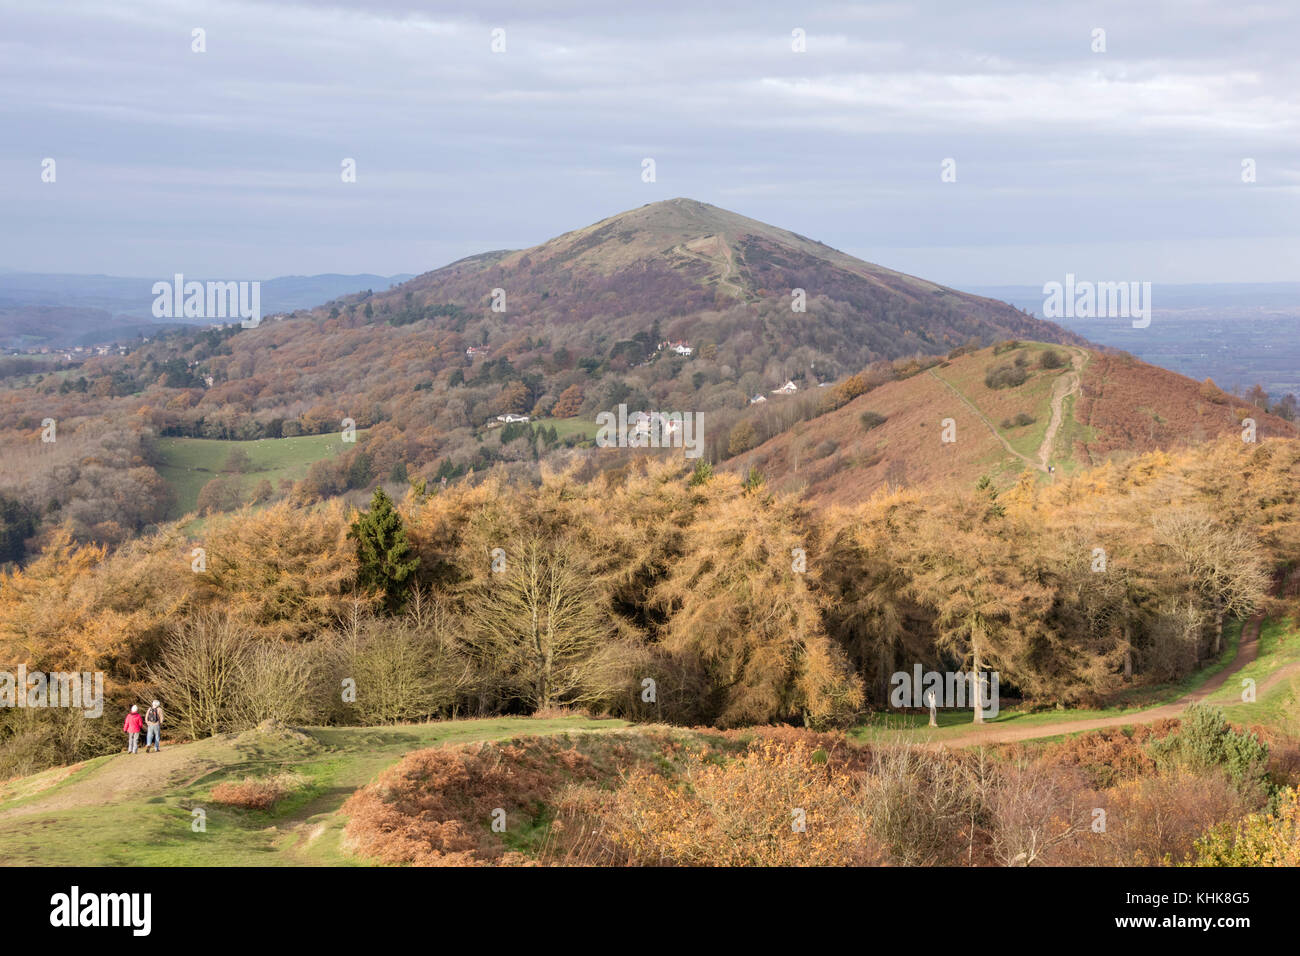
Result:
x=696 y=272
x=1087 y=408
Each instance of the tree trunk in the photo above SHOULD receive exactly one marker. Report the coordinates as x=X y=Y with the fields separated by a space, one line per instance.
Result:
x=1128 y=655
x=978 y=687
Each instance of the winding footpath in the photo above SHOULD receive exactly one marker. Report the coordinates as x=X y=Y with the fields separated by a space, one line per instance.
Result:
x=1246 y=653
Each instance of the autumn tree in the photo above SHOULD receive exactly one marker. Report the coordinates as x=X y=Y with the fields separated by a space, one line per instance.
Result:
x=569 y=403
x=538 y=625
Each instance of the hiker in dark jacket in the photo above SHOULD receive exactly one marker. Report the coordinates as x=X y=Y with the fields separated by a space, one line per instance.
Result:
x=134 y=724
x=153 y=720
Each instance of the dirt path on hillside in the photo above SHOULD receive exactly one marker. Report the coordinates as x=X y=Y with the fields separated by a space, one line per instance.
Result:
x=992 y=428
x=728 y=262
x=1247 y=651
x=1065 y=386
x=124 y=776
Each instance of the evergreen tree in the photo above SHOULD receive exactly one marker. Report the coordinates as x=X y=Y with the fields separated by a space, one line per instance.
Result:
x=385 y=561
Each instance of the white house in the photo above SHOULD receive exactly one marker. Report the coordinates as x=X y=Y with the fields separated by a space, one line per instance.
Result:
x=757 y=398
x=789 y=388
x=643 y=425
x=509 y=418
x=683 y=349
x=474 y=350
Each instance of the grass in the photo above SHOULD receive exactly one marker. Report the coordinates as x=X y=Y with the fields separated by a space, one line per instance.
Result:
x=1279 y=645
x=564 y=427
x=190 y=463
x=152 y=826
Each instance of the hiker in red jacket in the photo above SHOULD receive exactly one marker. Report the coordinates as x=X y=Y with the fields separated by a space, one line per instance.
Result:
x=134 y=724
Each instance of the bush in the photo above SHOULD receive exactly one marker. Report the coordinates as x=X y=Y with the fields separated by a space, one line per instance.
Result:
x=1262 y=839
x=34 y=739
x=1050 y=358
x=870 y=420
x=1206 y=742
x=257 y=793
x=1020 y=421
x=1156 y=821
x=742 y=812
x=919 y=803
x=1005 y=375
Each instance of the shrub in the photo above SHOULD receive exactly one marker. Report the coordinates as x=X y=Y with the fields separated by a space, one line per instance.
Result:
x=746 y=811
x=871 y=420
x=1262 y=839
x=1005 y=375
x=406 y=669
x=1156 y=821
x=434 y=808
x=918 y=802
x=1206 y=742
x=1020 y=421
x=1050 y=358
x=257 y=793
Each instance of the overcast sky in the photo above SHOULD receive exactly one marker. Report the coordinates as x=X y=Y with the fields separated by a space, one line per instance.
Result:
x=1125 y=164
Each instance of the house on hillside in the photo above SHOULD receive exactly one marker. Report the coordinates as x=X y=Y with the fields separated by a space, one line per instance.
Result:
x=757 y=398
x=510 y=418
x=681 y=348
x=474 y=350
x=789 y=388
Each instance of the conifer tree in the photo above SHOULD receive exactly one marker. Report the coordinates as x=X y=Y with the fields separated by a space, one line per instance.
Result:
x=385 y=560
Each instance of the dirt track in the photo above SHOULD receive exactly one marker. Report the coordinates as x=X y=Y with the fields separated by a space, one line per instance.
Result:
x=1065 y=386
x=1249 y=649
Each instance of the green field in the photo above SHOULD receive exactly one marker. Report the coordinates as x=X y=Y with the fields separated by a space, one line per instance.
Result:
x=564 y=427
x=190 y=463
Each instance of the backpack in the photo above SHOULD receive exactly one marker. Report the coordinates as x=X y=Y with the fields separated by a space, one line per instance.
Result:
x=152 y=716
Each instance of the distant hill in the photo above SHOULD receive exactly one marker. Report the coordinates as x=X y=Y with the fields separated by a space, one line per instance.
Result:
x=68 y=309
x=696 y=272
x=1094 y=407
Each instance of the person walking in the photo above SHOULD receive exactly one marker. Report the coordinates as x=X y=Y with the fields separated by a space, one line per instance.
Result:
x=153 y=720
x=134 y=724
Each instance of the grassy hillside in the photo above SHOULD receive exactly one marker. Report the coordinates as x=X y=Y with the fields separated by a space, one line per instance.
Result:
x=135 y=810
x=190 y=463
x=1094 y=407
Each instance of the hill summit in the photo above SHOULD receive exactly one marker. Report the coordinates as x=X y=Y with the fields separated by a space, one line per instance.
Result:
x=698 y=272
